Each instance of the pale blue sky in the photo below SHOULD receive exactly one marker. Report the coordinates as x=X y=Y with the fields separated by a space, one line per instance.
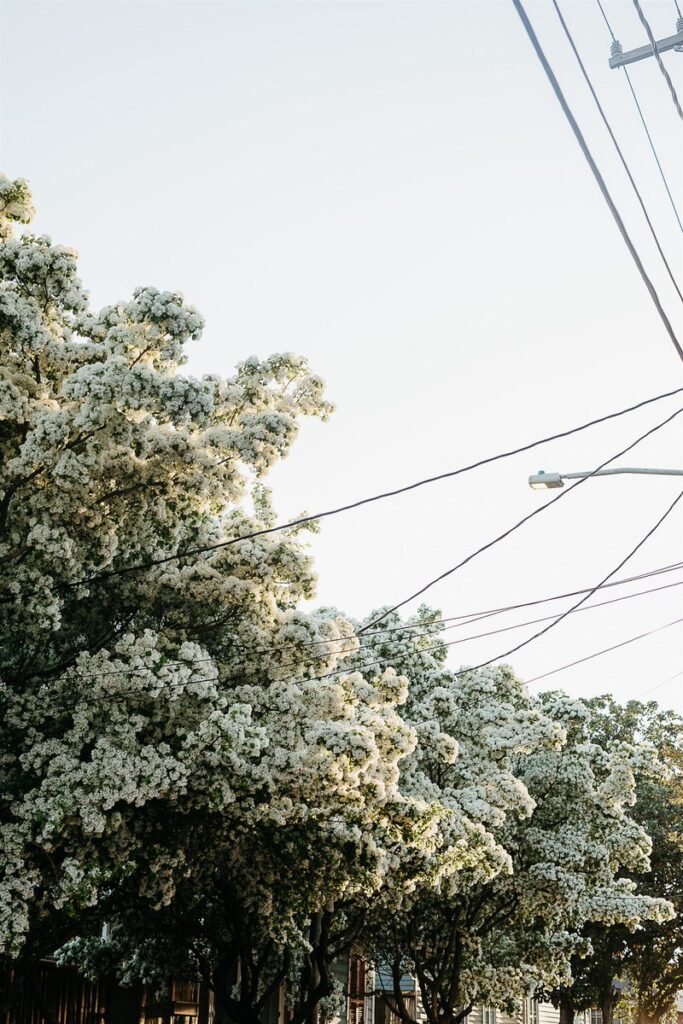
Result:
x=391 y=189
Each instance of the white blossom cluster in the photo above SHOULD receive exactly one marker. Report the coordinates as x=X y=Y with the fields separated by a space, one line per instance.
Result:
x=163 y=722
x=175 y=730
x=539 y=812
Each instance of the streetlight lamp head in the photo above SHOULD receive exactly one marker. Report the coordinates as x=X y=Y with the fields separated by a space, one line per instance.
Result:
x=543 y=481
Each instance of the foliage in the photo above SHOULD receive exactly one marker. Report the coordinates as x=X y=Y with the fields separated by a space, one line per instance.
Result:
x=234 y=786
x=648 y=959
x=550 y=807
x=165 y=725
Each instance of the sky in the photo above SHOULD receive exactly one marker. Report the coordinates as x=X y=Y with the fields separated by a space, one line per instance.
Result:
x=391 y=189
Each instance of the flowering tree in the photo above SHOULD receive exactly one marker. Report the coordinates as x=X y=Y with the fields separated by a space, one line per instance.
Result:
x=649 y=958
x=549 y=805
x=170 y=728
x=233 y=786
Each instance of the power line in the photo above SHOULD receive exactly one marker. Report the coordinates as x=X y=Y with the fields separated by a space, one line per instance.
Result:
x=489 y=612
x=516 y=526
x=657 y=686
x=377 y=663
x=86 y=581
x=654 y=152
x=586 y=608
x=532 y=622
x=617 y=147
x=465 y=619
x=602 y=582
x=602 y=11
x=605 y=650
x=655 y=49
x=151 y=563
x=425 y=629
x=596 y=172
x=468 y=618
x=642 y=117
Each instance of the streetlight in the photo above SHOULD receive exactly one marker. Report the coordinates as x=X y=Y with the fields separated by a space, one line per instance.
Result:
x=542 y=481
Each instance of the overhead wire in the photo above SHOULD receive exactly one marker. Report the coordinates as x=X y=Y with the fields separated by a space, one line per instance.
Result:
x=574 y=607
x=652 y=147
x=643 y=121
x=468 y=618
x=550 y=74
x=605 y=650
x=516 y=526
x=529 y=622
x=386 y=661
x=207 y=548
x=617 y=147
x=382 y=662
x=426 y=628
x=546 y=618
x=658 y=686
x=471 y=617
x=602 y=11
x=660 y=63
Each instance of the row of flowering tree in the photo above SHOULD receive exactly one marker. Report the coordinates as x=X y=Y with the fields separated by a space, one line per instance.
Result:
x=238 y=789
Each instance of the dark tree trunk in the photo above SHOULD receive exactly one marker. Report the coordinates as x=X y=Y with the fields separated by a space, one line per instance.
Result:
x=123 y=1004
x=245 y=1008
x=608 y=1000
x=203 y=1008
x=396 y=1002
x=566 y=1011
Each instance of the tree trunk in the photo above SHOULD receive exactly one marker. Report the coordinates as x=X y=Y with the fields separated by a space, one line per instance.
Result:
x=227 y=1009
x=608 y=1000
x=399 y=1004
x=123 y=1004
x=566 y=1011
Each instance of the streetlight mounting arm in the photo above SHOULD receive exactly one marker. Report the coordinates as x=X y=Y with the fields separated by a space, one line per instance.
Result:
x=623 y=469
x=544 y=481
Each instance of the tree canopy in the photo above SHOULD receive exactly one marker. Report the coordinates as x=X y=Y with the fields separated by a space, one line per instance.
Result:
x=640 y=970
x=199 y=775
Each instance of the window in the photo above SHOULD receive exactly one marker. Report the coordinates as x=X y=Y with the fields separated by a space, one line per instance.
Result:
x=530 y=1011
x=356 y=990
x=489 y=1015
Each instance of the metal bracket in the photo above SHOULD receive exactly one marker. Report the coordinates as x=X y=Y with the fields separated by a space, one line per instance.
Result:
x=619 y=58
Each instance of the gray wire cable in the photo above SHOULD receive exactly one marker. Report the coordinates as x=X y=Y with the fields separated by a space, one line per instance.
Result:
x=387 y=662
x=574 y=607
x=643 y=121
x=418 y=630
x=207 y=548
x=426 y=628
x=596 y=172
x=605 y=650
x=617 y=147
x=516 y=526
x=602 y=11
x=658 y=56
x=669 y=679
x=652 y=147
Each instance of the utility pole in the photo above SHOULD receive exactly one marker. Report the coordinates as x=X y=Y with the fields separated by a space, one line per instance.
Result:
x=619 y=58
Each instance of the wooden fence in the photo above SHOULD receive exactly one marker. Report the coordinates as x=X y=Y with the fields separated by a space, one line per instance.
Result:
x=47 y=994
